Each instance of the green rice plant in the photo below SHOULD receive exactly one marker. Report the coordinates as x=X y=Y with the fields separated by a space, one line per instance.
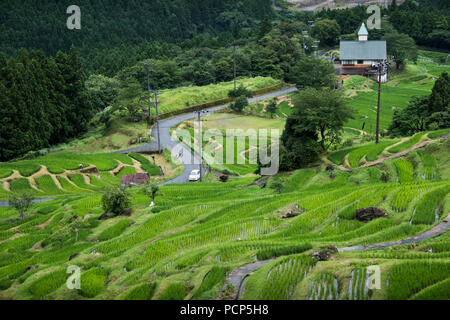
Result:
x=146 y=165
x=371 y=152
x=46 y=184
x=108 y=177
x=407 y=144
x=114 y=230
x=357 y=288
x=428 y=210
x=67 y=186
x=283 y=277
x=78 y=179
x=405 y=170
x=212 y=280
x=374 y=174
x=21 y=185
x=377 y=149
x=324 y=286
x=174 y=291
x=273 y=252
x=93 y=282
x=438 y=133
x=5 y=172
x=438 y=291
x=429 y=164
x=48 y=283
x=338 y=156
x=5 y=283
x=298 y=179
x=407 y=193
x=191 y=260
x=126 y=171
x=96 y=181
x=28 y=169
x=408 y=278
x=142 y=291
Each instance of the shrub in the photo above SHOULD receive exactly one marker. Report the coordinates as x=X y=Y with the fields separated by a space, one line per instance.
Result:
x=21 y=202
x=48 y=283
x=5 y=284
x=116 y=200
x=239 y=104
x=265 y=254
x=239 y=92
x=93 y=282
x=213 y=278
x=385 y=176
x=114 y=230
x=142 y=291
x=175 y=291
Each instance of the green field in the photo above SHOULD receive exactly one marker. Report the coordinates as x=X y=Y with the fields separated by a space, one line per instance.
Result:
x=414 y=80
x=184 y=246
x=183 y=97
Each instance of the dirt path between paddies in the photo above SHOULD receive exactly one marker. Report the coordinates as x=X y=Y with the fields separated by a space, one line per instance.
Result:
x=361 y=132
x=7 y=181
x=44 y=171
x=433 y=232
x=237 y=276
x=403 y=152
x=137 y=166
x=341 y=167
x=345 y=167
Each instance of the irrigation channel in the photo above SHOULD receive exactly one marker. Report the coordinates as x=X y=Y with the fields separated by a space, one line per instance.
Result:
x=238 y=276
x=4 y=204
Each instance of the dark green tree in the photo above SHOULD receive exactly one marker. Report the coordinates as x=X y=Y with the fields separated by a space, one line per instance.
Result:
x=272 y=107
x=21 y=202
x=412 y=119
x=327 y=31
x=401 y=47
x=265 y=27
x=239 y=104
x=312 y=72
x=116 y=200
x=324 y=111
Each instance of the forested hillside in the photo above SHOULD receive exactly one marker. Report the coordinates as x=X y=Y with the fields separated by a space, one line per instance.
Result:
x=42 y=24
x=43 y=101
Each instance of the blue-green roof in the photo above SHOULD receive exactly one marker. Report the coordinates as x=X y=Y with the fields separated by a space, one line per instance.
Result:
x=363 y=50
x=363 y=30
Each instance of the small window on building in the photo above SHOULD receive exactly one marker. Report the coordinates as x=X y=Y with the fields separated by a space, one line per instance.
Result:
x=360 y=61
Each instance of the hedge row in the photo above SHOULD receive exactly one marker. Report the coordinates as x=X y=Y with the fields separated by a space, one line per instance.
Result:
x=220 y=102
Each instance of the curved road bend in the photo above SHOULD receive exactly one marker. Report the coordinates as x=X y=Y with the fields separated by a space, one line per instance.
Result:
x=179 y=150
x=237 y=276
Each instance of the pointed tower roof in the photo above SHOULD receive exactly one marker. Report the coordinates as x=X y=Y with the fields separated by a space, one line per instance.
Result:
x=363 y=30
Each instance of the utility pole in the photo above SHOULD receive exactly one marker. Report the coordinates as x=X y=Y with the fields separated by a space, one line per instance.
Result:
x=147 y=66
x=200 y=143
x=157 y=122
x=377 y=135
x=234 y=62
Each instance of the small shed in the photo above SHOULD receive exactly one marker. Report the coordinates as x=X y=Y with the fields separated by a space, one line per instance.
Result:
x=135 y=179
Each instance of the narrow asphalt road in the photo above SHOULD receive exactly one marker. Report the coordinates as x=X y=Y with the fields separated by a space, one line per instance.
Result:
x=178 y=150
x=237 y=276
